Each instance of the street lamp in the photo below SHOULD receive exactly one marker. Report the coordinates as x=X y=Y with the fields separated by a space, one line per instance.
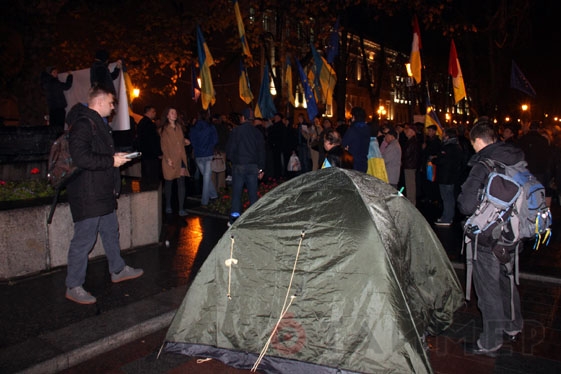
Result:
x=381 y=111
x=525 y=114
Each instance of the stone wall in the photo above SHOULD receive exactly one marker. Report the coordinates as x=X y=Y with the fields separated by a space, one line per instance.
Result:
x=28 y=245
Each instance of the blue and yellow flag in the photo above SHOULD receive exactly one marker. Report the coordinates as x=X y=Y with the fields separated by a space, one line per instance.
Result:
x=208 y=96
x=312 y=107
x=288 y=78
x=265 y=106
x=431 y=118
x=325 y=76
x=241 y=30
x=245 y=90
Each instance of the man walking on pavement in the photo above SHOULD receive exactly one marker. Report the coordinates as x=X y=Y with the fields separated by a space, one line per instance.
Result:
x=246 y=150
x=93 y=192
x=497 y=296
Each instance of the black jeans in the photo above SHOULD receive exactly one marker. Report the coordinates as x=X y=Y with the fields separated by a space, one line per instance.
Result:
x=493 y=287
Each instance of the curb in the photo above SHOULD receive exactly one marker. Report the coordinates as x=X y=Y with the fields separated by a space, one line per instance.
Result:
x=72 y=358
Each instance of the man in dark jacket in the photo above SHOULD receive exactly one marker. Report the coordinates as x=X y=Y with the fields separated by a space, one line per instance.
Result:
x=148 y=142
x=246 y=150
x=92 y=194
x=537 y=153
x=54 y=91
x=448 y=172
x=490 y=277
x=410 y=163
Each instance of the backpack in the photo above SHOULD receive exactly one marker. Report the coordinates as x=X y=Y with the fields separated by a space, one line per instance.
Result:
x=512 y=208
x=60 y=168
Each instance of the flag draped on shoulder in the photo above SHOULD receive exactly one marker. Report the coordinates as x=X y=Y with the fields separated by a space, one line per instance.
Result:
x=265 y=106
x=245 y=90
x=519 y=82
x=311 y=104
x=208 y=96
x=376 y=165
x=456 y=72
x=415 y=58
x=325 y=76
x=241 y=30
x=288 y=79
x=333 y=46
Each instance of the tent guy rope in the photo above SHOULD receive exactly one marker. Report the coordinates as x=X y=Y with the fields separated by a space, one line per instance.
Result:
x=284 y=309
x=229 y=262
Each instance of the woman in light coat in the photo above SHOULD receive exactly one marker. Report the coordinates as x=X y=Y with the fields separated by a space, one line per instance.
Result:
x=174 y=159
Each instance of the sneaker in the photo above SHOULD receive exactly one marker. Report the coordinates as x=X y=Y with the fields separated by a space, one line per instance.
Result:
x=475 y=349
x=182 y=213
x=168 y=211
x=442 y=223
x=127 y=273
x=80 y=296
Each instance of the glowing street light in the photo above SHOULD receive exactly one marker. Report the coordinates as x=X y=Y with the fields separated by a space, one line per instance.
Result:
x=381 y=111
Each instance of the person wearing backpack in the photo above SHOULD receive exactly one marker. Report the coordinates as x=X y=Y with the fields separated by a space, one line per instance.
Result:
x=92 y=194
x=500 y=308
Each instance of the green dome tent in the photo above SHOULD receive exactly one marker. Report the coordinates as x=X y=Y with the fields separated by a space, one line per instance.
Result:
x=333 y=271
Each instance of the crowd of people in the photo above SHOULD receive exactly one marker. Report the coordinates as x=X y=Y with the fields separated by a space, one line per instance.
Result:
x=428 y=164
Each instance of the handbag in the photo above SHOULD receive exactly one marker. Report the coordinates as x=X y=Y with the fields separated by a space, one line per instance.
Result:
x=218 y=165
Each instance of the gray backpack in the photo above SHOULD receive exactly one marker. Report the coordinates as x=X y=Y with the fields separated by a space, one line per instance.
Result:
x=512 y=208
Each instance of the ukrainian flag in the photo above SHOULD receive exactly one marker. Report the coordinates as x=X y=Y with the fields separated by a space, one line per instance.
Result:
x=208 y=96
x=241 y=30
x=431 y=118
x=325 y=76
x=245 y=91
x=288 y=78
x=265 y=106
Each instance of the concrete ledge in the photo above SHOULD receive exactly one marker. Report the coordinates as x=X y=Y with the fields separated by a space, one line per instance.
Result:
x=28 y=245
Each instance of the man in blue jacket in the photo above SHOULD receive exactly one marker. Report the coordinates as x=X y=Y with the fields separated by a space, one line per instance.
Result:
x=357 y=139
x=92 y=194
x=204 y=138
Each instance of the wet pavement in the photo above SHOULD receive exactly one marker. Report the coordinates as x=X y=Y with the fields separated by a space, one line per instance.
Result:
x=124 y=330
